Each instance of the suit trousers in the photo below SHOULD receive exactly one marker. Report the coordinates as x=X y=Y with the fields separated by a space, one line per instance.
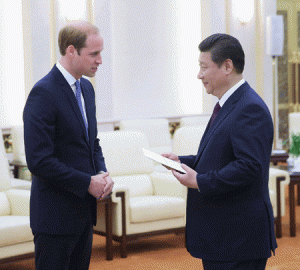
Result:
x=61 y=252
x=240 y=265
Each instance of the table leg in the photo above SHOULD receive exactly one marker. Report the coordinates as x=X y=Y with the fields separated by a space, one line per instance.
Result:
x=16 y=171
x=278 y=199
x=298 y=193
x=292 y=210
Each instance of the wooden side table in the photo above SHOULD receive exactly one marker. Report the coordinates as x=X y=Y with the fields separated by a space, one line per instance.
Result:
x=17 y=165
x=275 y=158
x=294 y=180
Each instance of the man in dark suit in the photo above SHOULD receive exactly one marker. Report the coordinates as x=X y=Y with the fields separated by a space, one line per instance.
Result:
x=230 y=223
x=63 y=153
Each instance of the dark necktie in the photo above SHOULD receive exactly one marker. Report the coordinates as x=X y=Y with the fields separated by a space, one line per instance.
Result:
x=215 y=112
x=78 y=98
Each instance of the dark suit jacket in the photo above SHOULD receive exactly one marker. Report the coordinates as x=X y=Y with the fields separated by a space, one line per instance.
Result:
x=60 y=155
x=230 y=218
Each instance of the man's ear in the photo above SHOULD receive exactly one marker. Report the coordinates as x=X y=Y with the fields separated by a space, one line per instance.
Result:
x=71 y=50
x=228 y=66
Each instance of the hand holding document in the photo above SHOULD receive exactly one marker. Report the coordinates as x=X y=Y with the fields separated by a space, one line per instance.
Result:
x=163 y=160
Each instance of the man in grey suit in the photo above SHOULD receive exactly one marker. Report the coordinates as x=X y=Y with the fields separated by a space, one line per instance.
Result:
x=63 y=153
x=230 y=223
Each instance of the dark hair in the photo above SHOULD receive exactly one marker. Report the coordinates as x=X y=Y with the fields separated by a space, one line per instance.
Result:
x=223 y=47
x=76 y=35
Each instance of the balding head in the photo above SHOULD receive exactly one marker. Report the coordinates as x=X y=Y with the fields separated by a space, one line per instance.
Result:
x=75 y=33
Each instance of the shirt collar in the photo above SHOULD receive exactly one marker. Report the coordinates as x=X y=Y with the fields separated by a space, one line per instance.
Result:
x=230 y=92
x=70 y=79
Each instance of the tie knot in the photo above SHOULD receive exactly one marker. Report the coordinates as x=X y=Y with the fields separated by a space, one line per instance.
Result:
x=217 y=108
x=77 y=84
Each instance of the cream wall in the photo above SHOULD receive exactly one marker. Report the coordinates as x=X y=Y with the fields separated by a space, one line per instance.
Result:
x=136 y=81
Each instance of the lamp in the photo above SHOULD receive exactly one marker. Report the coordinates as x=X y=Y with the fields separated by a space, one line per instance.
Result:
x=274 y=48
x=243 y=10
x=68 y=13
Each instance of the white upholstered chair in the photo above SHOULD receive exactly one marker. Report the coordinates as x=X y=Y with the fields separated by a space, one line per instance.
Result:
x=6 y=180
x=144 y=202
x=278 y=179
x=186 y=140
x=16 y=241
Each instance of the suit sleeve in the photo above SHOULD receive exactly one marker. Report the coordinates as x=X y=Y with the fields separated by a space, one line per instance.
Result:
x=98 y=156
x=188 y=160
x=39 y=136
x=251 y=144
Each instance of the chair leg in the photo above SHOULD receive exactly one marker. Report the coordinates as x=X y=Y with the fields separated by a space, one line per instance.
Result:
x=123 y=247
x=278 y=228
x=108 y=219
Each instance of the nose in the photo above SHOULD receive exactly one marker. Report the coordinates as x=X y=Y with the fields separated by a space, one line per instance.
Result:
x=99 y=60
x=200 y=75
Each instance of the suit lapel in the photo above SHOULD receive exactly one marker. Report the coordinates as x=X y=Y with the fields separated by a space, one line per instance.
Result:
x=225 y=111
x=72 y=99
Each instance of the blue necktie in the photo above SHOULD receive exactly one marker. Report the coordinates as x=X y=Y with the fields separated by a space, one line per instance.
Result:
x=78 y=98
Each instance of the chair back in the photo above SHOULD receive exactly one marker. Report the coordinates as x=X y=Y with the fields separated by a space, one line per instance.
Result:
x=123 y=153
x=196 y=120
x=156 y=130
x=187 y=139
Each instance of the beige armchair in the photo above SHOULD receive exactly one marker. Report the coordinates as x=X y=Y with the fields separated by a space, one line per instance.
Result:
x=278 y=179
x=144 y=202
x=16 y=241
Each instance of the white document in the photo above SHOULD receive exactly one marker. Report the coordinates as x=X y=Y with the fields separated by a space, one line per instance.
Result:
x=163 y=160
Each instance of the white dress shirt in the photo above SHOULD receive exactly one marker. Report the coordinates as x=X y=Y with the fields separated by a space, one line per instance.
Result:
x=71 y=81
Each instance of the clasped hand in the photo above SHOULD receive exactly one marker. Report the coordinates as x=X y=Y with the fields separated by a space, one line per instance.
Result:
x=189 y=179
x=101 y=185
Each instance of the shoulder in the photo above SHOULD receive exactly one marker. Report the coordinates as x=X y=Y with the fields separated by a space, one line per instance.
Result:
x=86 y=83
x=250 y=100
x=54 y=77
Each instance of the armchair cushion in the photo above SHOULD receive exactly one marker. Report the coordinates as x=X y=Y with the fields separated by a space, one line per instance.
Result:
x=14 y=226
x=14 y=230
x=150 y=208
